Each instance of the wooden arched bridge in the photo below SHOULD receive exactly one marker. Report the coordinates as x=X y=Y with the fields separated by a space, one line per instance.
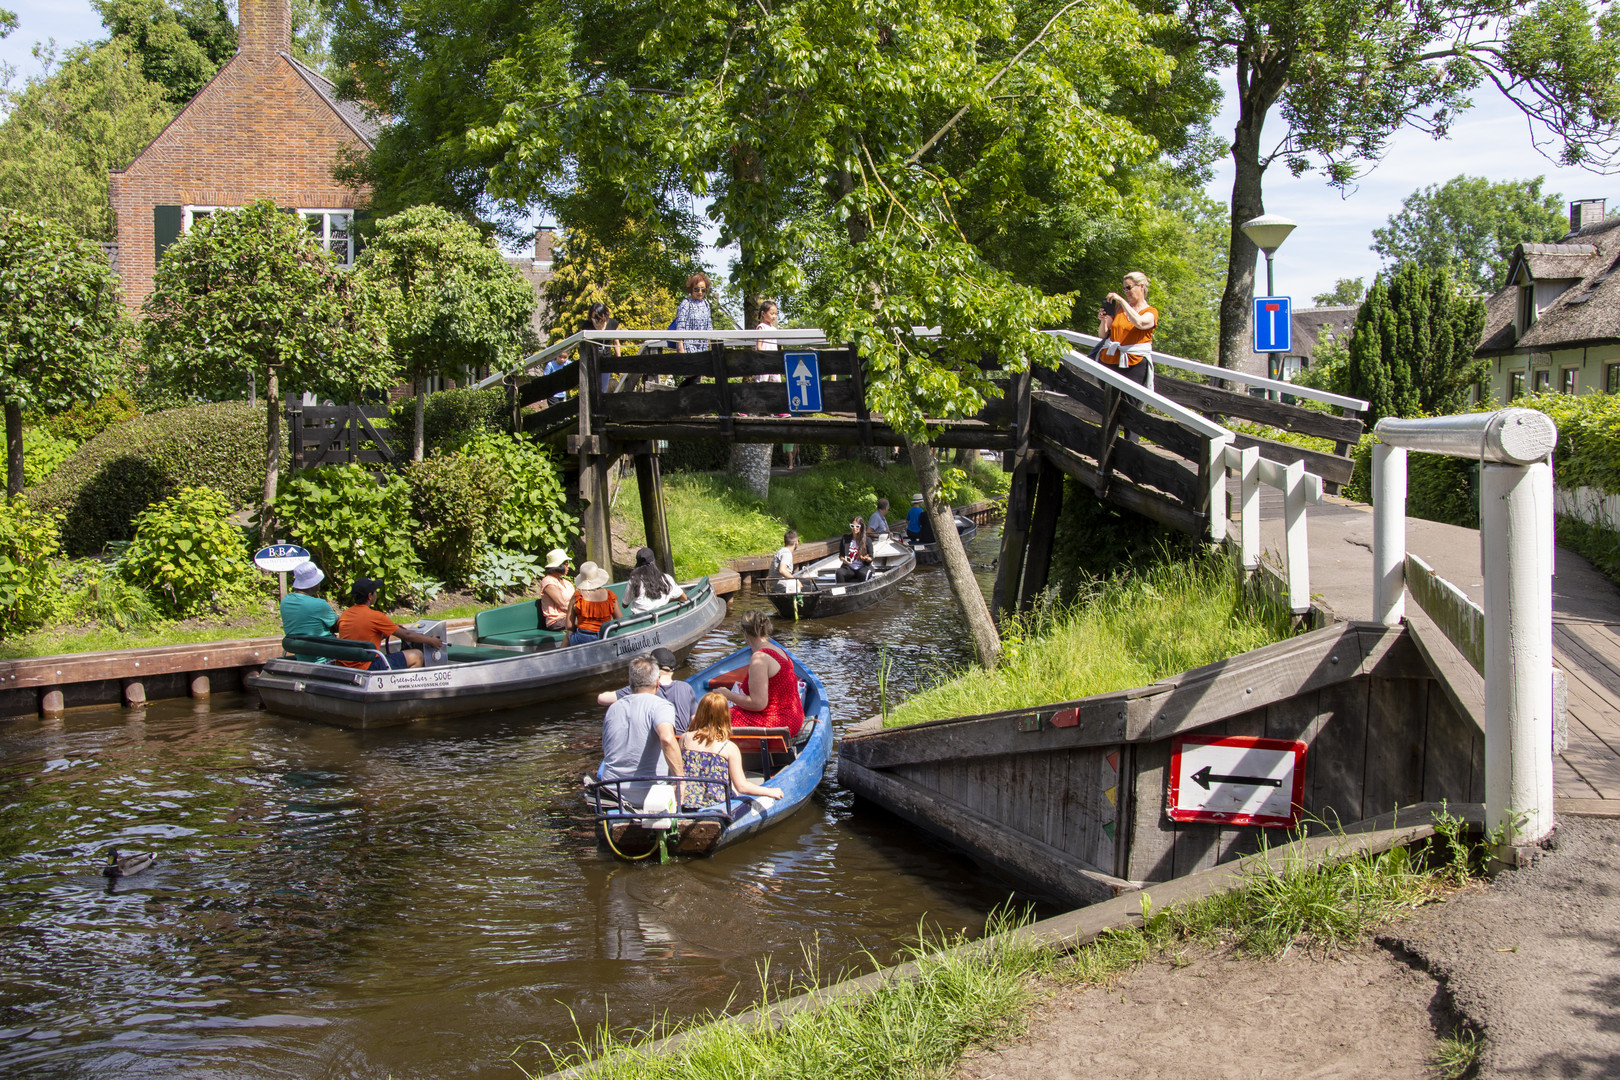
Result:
x=1164 y=453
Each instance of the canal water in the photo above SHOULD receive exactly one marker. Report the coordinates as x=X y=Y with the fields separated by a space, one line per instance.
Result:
x=426 y=901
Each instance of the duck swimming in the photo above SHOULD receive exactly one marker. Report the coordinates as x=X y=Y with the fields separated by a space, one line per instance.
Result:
x=126 y=865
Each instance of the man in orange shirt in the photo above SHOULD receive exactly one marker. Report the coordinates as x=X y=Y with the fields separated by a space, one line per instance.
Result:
x=361 y=622
x=1127 y=323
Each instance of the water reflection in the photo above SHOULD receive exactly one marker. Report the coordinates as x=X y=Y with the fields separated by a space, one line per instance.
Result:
x=418 y=902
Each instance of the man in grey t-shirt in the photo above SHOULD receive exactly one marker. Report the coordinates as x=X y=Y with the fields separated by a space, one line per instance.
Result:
x=638 y=733
x=677 y=693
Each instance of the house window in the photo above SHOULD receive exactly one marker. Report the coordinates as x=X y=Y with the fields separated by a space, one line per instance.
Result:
x=1543 y=381
x=335 y=230
x=1516 y=384
x=1611 y=379
x=1527 y=308
x=192 y=214
x=1567 y=380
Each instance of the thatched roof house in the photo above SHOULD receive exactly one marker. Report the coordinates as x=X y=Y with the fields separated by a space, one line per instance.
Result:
x=1555 y=324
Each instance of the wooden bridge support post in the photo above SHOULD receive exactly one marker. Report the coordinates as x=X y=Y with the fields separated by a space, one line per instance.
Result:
x=1015 y=530
x=656 y=525
x=593 y=467
x=1043 y=524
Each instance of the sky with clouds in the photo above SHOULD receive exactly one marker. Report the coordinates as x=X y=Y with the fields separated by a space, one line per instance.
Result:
x=1335 y=230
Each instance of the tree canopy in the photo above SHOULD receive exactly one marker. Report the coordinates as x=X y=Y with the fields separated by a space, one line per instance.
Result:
x=250 y=294
x=179 y=43
x=1345 y=75
x=1345 y=291
x=1471 y=226
x=1412 y=353
x=451 y=303
x=62 y=324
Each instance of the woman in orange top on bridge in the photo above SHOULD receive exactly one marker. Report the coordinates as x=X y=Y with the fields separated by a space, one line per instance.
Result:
x=1127 y=323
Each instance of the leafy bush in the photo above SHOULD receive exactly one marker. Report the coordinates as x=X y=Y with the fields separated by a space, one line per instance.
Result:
x=119 y=473
x=1095 y=539
x=1438 y=487
x=42 y=453
x=454 y=499
x=85 y=420
x=1588 y=451
x=93 y=591
x=353 y=527
x=188 y=554
x=450 y=418
x=29 y=587
x=532 y=515
x=501 y=572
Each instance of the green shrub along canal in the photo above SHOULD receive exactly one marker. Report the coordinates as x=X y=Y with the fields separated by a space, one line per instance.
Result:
x=418 y=902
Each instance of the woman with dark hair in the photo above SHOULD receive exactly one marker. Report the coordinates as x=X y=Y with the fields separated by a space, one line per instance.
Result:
x=770 y=694
x=694 y=314
x=599 y=319
x=649 y=588
x=855 y=554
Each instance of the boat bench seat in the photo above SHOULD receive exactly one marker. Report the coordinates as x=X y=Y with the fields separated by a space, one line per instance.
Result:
x=519 y=623
x=329 y=648
x=466 y=654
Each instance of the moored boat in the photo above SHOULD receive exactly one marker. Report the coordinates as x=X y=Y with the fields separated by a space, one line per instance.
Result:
x=815 y=592
x=770 y=757
x=928 y=554
x=513 y=663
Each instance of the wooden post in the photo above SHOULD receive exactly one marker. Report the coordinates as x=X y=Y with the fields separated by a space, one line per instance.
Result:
x=51 y=703
x=1113 y=405
x=651 y=483
x=134 y=693
x=1015 y=531
x=1043 y=524
x=200 y=686
x=513 y=408
x=863 y=414
x=593 y=487
x=722 y=386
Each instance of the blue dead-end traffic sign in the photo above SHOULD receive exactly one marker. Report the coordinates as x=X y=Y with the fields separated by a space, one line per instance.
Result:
x=1273 y=324
x=803 y=371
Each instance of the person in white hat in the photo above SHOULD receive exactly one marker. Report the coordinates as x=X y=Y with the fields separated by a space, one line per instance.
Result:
x=303 y=614
x=556 y=591
x=593 y=606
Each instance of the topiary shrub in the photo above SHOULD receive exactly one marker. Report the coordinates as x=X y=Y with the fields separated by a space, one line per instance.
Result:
x=109 y=480
x=454 y=499
x=353 y=527
x=29 y=587
x=188 y=555
x=83 y=421
x=449 y=419
x=533 y=515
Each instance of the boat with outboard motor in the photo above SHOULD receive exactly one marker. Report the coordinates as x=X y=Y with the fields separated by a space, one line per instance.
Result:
x=928 y=553
x=772 y=756
x=814 y=591
x=512 y=662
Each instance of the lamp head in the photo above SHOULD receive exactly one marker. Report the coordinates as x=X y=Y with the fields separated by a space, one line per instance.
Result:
x=1268 y=231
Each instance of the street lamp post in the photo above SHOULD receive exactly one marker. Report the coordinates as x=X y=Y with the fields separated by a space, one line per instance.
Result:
x=1268 y=231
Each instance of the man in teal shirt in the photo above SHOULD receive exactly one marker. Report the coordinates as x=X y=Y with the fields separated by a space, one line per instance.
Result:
x=304 y=614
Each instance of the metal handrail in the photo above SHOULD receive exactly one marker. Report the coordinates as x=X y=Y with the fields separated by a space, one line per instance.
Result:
x=626 y=810
x=1309 y=393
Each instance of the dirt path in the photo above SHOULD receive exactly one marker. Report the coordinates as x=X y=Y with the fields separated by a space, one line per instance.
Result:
x=1361 y=1013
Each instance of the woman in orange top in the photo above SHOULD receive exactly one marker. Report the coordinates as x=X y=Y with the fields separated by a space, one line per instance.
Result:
x=592 y=605
x=1129 y=330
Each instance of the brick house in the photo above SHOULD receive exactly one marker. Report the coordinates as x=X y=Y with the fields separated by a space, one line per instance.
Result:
x=264 y=127
x=1555 y=323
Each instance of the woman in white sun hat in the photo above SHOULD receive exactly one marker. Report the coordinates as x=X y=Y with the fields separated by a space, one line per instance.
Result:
x=303 y=614
x=556 y=591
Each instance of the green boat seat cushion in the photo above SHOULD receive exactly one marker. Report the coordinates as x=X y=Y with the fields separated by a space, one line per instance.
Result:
x=329 y=648
x=466 y=654
x=519 y=623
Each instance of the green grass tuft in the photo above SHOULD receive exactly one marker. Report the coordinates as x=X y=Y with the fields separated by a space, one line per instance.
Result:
x=1458 y=1054
x=1127 y=632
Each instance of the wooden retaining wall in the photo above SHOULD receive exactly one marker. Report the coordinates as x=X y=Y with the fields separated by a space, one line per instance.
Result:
x=1071 y=798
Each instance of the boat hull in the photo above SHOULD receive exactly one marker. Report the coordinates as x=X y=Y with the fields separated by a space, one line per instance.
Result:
x=798 y=780
x=820 y=600
x=928 y=554
x=354 y=698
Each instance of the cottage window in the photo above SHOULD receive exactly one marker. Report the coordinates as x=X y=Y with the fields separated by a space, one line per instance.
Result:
x=335 y=230
x=1516 y=384
x=1567 y=380
x=1611 y=379
x=189 y=215
x=1527 y=308
x=1543 y=381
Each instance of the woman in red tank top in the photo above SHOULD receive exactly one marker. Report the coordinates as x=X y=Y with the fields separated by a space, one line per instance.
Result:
x=770 y=695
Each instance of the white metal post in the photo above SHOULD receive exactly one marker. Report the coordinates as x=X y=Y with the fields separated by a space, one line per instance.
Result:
x=1516 y=545
x=1389 y=533
x=1297 y=541
x=1215 y=465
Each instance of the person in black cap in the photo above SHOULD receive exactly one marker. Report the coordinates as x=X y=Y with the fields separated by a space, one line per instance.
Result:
x=677 y=693
x=361 y=622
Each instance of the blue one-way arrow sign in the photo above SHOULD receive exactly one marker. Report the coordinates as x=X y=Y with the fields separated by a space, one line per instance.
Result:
x=803 y=371
x=1273 y=324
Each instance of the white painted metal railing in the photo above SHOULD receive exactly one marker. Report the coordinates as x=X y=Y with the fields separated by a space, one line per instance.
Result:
x=1299 y=489
x=1516 y=555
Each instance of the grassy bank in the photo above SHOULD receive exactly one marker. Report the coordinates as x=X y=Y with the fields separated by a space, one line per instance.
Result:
x=713 y=518
x=1125 y=632
x=1599 y=546
x=977 y=996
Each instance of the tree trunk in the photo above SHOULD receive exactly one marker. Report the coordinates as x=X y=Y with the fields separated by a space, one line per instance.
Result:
x=421 y=406
x=1259 y=87
x=272 y=455
x=964 y=586
x=751 y=463
x=14 y=449
x=961 y=458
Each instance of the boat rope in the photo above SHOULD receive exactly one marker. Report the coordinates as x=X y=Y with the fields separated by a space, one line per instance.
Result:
x=607 y=834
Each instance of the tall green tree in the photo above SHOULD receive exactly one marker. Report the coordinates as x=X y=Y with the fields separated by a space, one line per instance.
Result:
x=857 y=112
x=66 y=128
x=1471 y=225
x=1345 y=291
x=62 y=324
x=180 y=43
x=1412 y=353
x=452 y=304
x=1344 y=75
x=250 y=294
x=586 y=273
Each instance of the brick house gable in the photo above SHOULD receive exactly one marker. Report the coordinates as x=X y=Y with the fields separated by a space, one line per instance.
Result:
x=265 y=126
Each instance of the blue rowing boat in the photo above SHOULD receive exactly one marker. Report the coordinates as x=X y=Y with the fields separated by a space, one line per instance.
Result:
x=770 y=758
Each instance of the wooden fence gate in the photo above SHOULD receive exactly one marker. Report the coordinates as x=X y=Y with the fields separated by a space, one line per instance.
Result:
x=336 y=434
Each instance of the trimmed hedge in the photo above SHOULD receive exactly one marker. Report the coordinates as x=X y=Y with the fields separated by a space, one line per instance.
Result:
x=111 y=479
x=449 y=418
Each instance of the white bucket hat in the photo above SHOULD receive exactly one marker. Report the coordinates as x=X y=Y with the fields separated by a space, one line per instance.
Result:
x=307 y=576
x=917 y=499
x=557 y=558
x=590 y=577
